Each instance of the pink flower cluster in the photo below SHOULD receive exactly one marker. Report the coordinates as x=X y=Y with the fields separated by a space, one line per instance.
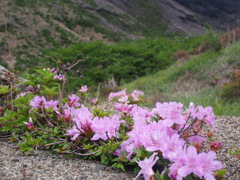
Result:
x=170 y=113
x=200 y=113
x=164 y=135
x=104 y=128
x=168 y=130
x=189 y=161
x=124 y=97
x=41 y=102
x=73 y=101
x=120 y=96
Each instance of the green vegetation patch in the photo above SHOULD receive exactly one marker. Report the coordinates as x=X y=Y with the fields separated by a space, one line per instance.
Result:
x=195 y=80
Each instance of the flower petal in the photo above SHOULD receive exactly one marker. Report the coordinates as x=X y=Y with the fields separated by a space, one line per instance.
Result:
x=184 y=171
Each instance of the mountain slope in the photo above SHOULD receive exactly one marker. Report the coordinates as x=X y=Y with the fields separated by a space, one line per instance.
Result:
x=28 y=27
x=194 y=80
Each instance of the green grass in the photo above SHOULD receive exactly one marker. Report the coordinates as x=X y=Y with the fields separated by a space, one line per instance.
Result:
x=193 y=81
x=210 y=98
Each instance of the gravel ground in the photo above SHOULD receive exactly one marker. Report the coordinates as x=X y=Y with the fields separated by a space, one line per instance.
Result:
x=14 y=165
x=228 y=132
x=42 y=165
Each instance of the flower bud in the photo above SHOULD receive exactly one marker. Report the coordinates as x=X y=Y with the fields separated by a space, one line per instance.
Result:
x=209 y=134
x=214 y=146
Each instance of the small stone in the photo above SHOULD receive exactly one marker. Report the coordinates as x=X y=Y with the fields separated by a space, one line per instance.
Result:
x=15 y=160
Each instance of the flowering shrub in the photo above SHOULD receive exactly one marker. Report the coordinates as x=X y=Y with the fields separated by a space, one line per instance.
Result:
x=231 y=88
x=168 y=136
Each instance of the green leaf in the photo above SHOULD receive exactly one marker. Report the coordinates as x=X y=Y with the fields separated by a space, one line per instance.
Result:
x=40 y=71
x=136 y=170
x=238 y=152
x=165 y=175
x=121 y=167
x=138 y=152
x=50 y=91
x=221 y=172
x=158 y=176
x=104 y=159
x=4 y=89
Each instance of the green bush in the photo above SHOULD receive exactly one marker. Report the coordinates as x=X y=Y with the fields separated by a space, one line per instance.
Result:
x=125 y=61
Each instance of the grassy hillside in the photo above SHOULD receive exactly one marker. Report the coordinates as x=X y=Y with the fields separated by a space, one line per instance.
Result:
x=124 y=61
x=28 y=27
x=194 y=80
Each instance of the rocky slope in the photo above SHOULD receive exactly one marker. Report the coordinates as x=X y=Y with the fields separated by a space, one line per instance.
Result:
x=221 y=14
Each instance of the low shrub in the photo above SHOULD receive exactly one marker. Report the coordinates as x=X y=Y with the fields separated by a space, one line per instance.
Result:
x=168 y=137
x=231 y=89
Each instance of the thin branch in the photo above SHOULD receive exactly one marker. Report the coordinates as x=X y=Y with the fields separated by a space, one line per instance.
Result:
x=189 y=126
x=185 y=123
x=54 y=143
x=80 y=154
x=231 y=174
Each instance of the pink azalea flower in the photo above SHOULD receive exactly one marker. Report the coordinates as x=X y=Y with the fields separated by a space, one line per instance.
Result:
x=174 y=171
x=136 y=94
x=146 y=166
x=140 y=114
x=53 y=70
x=124 y=99
x=170 y=113
x=38 y=102
x=73 y=101
x=82 y=122
x=105 y=128
x=206 y=115
x=66 y=115
x=125 y=108
x=58 y=77
x=94 y=101
x=83 y=89
x=157 y=140
x=29 y=125
x=199 y=112
x=75 y=132
x=51 y=104
x=22 y=94
x=171 y=146
x=191 y=163
x=178 y=160
x=196 y=139
x=209 y=164
x=31 y=88
x=117 y=95
x=191 y=110
x=82 y=118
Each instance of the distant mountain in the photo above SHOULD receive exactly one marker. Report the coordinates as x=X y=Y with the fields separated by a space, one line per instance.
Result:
x=221 y=14
x=31 y=26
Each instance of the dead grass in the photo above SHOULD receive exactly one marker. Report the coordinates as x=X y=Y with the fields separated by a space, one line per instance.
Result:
x=229 y=37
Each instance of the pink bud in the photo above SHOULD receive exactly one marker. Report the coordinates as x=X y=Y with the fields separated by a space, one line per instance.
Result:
x=29 y=125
